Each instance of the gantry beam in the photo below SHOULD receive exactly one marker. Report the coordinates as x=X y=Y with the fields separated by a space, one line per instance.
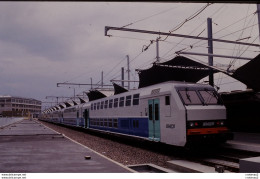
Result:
x=107 y=28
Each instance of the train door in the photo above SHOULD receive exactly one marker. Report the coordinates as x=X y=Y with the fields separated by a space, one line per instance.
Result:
x=154 y=119
x=86 y=116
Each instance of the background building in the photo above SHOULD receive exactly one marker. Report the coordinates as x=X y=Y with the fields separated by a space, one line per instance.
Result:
x=18 y=106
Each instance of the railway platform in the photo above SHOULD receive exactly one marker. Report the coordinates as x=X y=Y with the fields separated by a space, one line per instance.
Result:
x=28 y=146
x=245 y=141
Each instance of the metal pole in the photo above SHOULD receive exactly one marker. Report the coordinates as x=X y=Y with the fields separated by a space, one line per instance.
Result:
x=258 y=13
x=90 y=83
x=157 y=51
x=74 y=93
x=210 y=51
x=128 y=72
x=102 y=77
x=122 y=76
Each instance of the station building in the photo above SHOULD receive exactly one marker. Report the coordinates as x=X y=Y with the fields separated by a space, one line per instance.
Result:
x=19 y=106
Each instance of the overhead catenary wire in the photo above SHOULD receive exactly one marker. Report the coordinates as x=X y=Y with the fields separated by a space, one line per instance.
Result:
x=242 y=32
x=200 y=25
x=148 y=17
x=188 y=19
x=226 y=28
x=145 y=47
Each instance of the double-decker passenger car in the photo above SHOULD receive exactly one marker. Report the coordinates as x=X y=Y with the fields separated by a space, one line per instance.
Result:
x=174 y=113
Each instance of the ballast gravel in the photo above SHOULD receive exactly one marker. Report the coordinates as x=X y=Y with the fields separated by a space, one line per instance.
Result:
x=120 y=152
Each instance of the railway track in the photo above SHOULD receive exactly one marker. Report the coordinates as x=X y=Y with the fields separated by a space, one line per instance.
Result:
x=222 y=159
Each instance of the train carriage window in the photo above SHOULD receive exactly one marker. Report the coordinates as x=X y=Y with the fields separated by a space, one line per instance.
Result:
x=167 y=100
x=121 y=102
x=115 y=102
x=98 y=105
x=136 y=99
x=106 y=104
x=150 y=112
x=101 y=122
x=110 y=103
x=156 y=112
x=101 y=105
x=190 y=97
x=110 y=122
x=105 y=122
x=115 y=124
x=128 y=100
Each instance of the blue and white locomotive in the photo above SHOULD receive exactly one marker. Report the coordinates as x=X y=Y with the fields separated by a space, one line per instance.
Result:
x=174 y=113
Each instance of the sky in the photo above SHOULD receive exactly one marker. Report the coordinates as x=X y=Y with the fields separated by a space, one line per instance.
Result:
x=45 y=43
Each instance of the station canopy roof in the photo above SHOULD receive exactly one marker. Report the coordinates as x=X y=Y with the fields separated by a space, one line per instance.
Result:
x=82 y=100
x=74 y=103
x=61 y=106
x=118 y=89
x=249 y=74
x=184 y=69
x=178 y=69
x=95 y=94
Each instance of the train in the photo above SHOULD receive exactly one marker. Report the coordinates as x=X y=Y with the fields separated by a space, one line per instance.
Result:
x=173 y=113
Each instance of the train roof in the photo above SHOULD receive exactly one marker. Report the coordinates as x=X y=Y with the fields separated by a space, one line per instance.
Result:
x=163 y=87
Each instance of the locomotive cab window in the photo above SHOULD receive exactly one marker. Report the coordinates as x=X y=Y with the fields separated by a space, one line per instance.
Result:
x=210 y=97
x=190 y=97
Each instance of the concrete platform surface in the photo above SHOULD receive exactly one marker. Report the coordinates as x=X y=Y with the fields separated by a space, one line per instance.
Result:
x=249 y=165
x=30 y=147
x=245 y=141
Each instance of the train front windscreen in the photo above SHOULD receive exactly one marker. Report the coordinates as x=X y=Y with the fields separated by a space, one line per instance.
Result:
x=200 y=97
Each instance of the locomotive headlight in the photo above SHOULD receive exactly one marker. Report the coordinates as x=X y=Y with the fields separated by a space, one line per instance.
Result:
x=222 y=123
x=191 y=124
